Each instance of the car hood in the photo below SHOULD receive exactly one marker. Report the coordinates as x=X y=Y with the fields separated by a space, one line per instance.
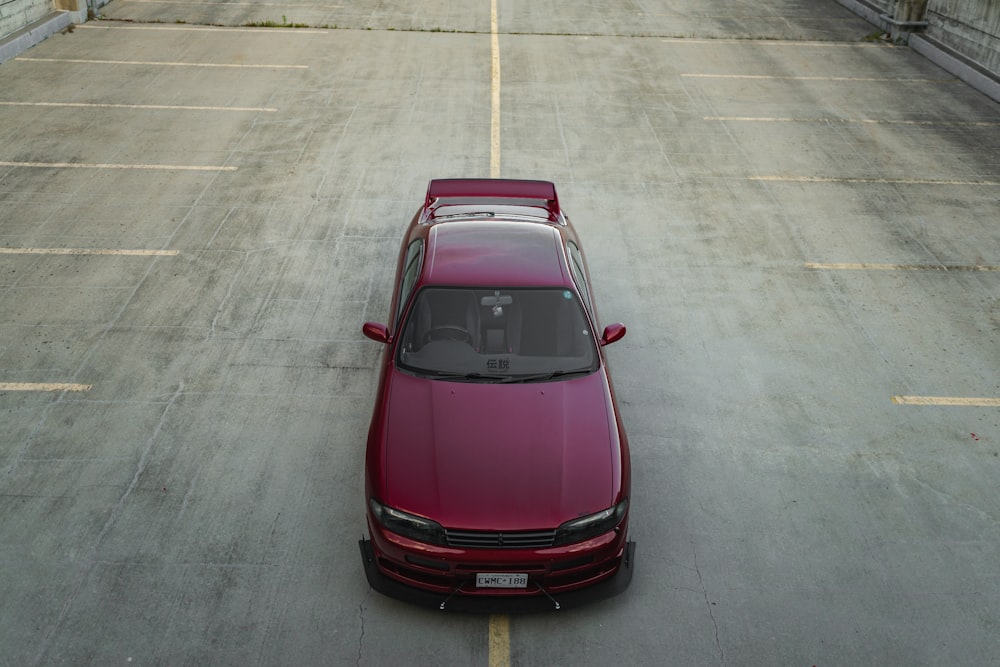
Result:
x=500 y=456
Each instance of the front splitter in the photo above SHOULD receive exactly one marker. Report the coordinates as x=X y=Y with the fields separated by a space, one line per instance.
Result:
x=498 y=605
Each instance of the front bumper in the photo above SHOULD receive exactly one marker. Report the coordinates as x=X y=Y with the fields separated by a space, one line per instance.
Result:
x=498 y=604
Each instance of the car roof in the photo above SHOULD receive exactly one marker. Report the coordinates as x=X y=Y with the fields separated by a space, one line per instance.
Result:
x=495 y=253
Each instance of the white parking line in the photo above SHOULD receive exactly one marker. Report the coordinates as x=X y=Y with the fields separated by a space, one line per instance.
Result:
x=238 y=4
x=89 y=165
x=43 y=386
x=871 y=121
x=157 y=63
x=775 y=42
x=902 y=267
x=952 y=401
x=194 y=28
x=134 y=107
x=89 y=251
x=895 y=181
x=774 y=77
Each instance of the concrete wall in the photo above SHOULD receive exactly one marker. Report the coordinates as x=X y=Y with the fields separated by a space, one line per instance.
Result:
x=884 y=6
x=970 y=27
x=961 y=36
x=16 y=14
x=24 y=23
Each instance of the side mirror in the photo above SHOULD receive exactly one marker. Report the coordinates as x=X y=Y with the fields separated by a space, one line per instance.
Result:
x=377 y=332
x=612 y=332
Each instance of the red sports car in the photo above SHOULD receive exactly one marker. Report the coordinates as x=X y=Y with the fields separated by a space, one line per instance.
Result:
x=497 y=470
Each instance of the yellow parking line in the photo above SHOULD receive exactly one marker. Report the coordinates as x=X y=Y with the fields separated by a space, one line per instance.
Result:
x=844 y=266
x=891 y=181
x=495 y=90
x=89 y=251
x=133 y=107
x=948 y=401
x=43 y=386
x=499 y=641
x=92 y=165
x=160 y=63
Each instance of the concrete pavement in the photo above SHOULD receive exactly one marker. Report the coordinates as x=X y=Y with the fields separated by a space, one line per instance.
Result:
x=799 y=231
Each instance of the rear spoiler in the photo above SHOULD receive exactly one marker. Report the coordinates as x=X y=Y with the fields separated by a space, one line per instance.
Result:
x=494 y=188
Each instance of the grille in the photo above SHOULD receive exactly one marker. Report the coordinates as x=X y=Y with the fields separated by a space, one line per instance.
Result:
x=475 y=539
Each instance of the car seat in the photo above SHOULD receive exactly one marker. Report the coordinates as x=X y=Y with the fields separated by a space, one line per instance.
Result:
x=440 y=308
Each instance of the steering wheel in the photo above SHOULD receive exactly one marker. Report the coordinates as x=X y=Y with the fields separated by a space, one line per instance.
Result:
x=448 y=332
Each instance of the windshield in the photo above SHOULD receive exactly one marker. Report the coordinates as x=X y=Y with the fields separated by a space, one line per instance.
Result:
x=506 y=335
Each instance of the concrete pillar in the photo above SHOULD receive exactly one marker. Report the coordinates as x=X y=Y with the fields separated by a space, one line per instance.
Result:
x=910 y=11
x=76 y=8
x=908 y=18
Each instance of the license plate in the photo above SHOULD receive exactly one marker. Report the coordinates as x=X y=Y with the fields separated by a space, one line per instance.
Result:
x=501 y=580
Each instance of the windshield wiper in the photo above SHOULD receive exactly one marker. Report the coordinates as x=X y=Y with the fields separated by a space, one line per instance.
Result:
x=551 y=375
x=450 y=376
x=464 y=377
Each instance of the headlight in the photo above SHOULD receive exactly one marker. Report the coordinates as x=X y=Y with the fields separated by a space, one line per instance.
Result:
x=407 y=525
x=591 y=525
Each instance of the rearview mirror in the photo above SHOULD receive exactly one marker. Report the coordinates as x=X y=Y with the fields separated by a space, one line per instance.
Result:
x=377 y=332
x=612 y=332
x=498 y=300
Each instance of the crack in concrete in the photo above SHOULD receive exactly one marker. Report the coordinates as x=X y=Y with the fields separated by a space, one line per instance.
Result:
x=361 y=638
x=708 y=603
